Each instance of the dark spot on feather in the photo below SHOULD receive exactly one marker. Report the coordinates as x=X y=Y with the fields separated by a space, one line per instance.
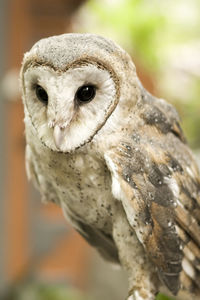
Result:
x=145 y=216
x=136 y=163
x=109 y=207
x=128 y=178
x=192 y=201
x=155 y=176
x=196 y=261
x=164 y=170
x=177 y=131
x=197 y=185
x=128 y=151
x=154 y=116
x=163 y=196
x=174 y=164
x=136 y=137
x=128 y=148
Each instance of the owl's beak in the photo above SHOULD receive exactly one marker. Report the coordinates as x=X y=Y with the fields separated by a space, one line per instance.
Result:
x=59 y=135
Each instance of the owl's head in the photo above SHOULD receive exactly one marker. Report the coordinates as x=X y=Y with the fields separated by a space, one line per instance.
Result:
x=71 y=84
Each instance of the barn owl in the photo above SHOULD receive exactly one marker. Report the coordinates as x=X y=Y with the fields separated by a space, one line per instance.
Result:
x=115 y=159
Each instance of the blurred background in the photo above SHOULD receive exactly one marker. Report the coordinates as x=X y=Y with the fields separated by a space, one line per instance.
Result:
x=41 y=256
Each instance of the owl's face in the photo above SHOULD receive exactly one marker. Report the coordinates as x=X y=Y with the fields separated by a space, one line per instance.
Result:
x=71 y=85
x=63 y=105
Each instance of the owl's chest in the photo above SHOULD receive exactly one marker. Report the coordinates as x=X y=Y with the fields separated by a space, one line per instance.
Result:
x=80 y=183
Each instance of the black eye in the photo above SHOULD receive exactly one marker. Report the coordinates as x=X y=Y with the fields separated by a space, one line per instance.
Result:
x=41 y=94
x=85 y=93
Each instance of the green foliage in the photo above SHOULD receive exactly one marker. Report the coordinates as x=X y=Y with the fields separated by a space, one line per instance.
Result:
x=39 y=291
x=146 y=28
x=190 y=113
x=34 y=291
x=135 y=23
x=163 y=297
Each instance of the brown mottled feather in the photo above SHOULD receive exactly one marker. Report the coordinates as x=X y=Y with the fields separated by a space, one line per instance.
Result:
x=160 y=181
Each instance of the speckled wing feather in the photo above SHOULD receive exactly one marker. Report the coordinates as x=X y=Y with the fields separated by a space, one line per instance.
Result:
x=157 y=180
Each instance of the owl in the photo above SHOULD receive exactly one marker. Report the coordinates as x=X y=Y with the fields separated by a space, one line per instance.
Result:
x=114 y=158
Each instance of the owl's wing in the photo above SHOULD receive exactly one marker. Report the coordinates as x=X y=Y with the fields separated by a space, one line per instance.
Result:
x=157 y=181
x=100 y=240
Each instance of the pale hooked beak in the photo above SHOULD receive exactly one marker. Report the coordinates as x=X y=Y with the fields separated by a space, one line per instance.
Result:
x=59 y=136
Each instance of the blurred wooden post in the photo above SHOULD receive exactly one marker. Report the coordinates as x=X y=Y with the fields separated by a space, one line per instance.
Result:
x=16 y=186
x=30 y=20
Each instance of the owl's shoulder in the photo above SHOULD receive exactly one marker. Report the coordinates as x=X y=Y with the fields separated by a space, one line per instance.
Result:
x=160 y=114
